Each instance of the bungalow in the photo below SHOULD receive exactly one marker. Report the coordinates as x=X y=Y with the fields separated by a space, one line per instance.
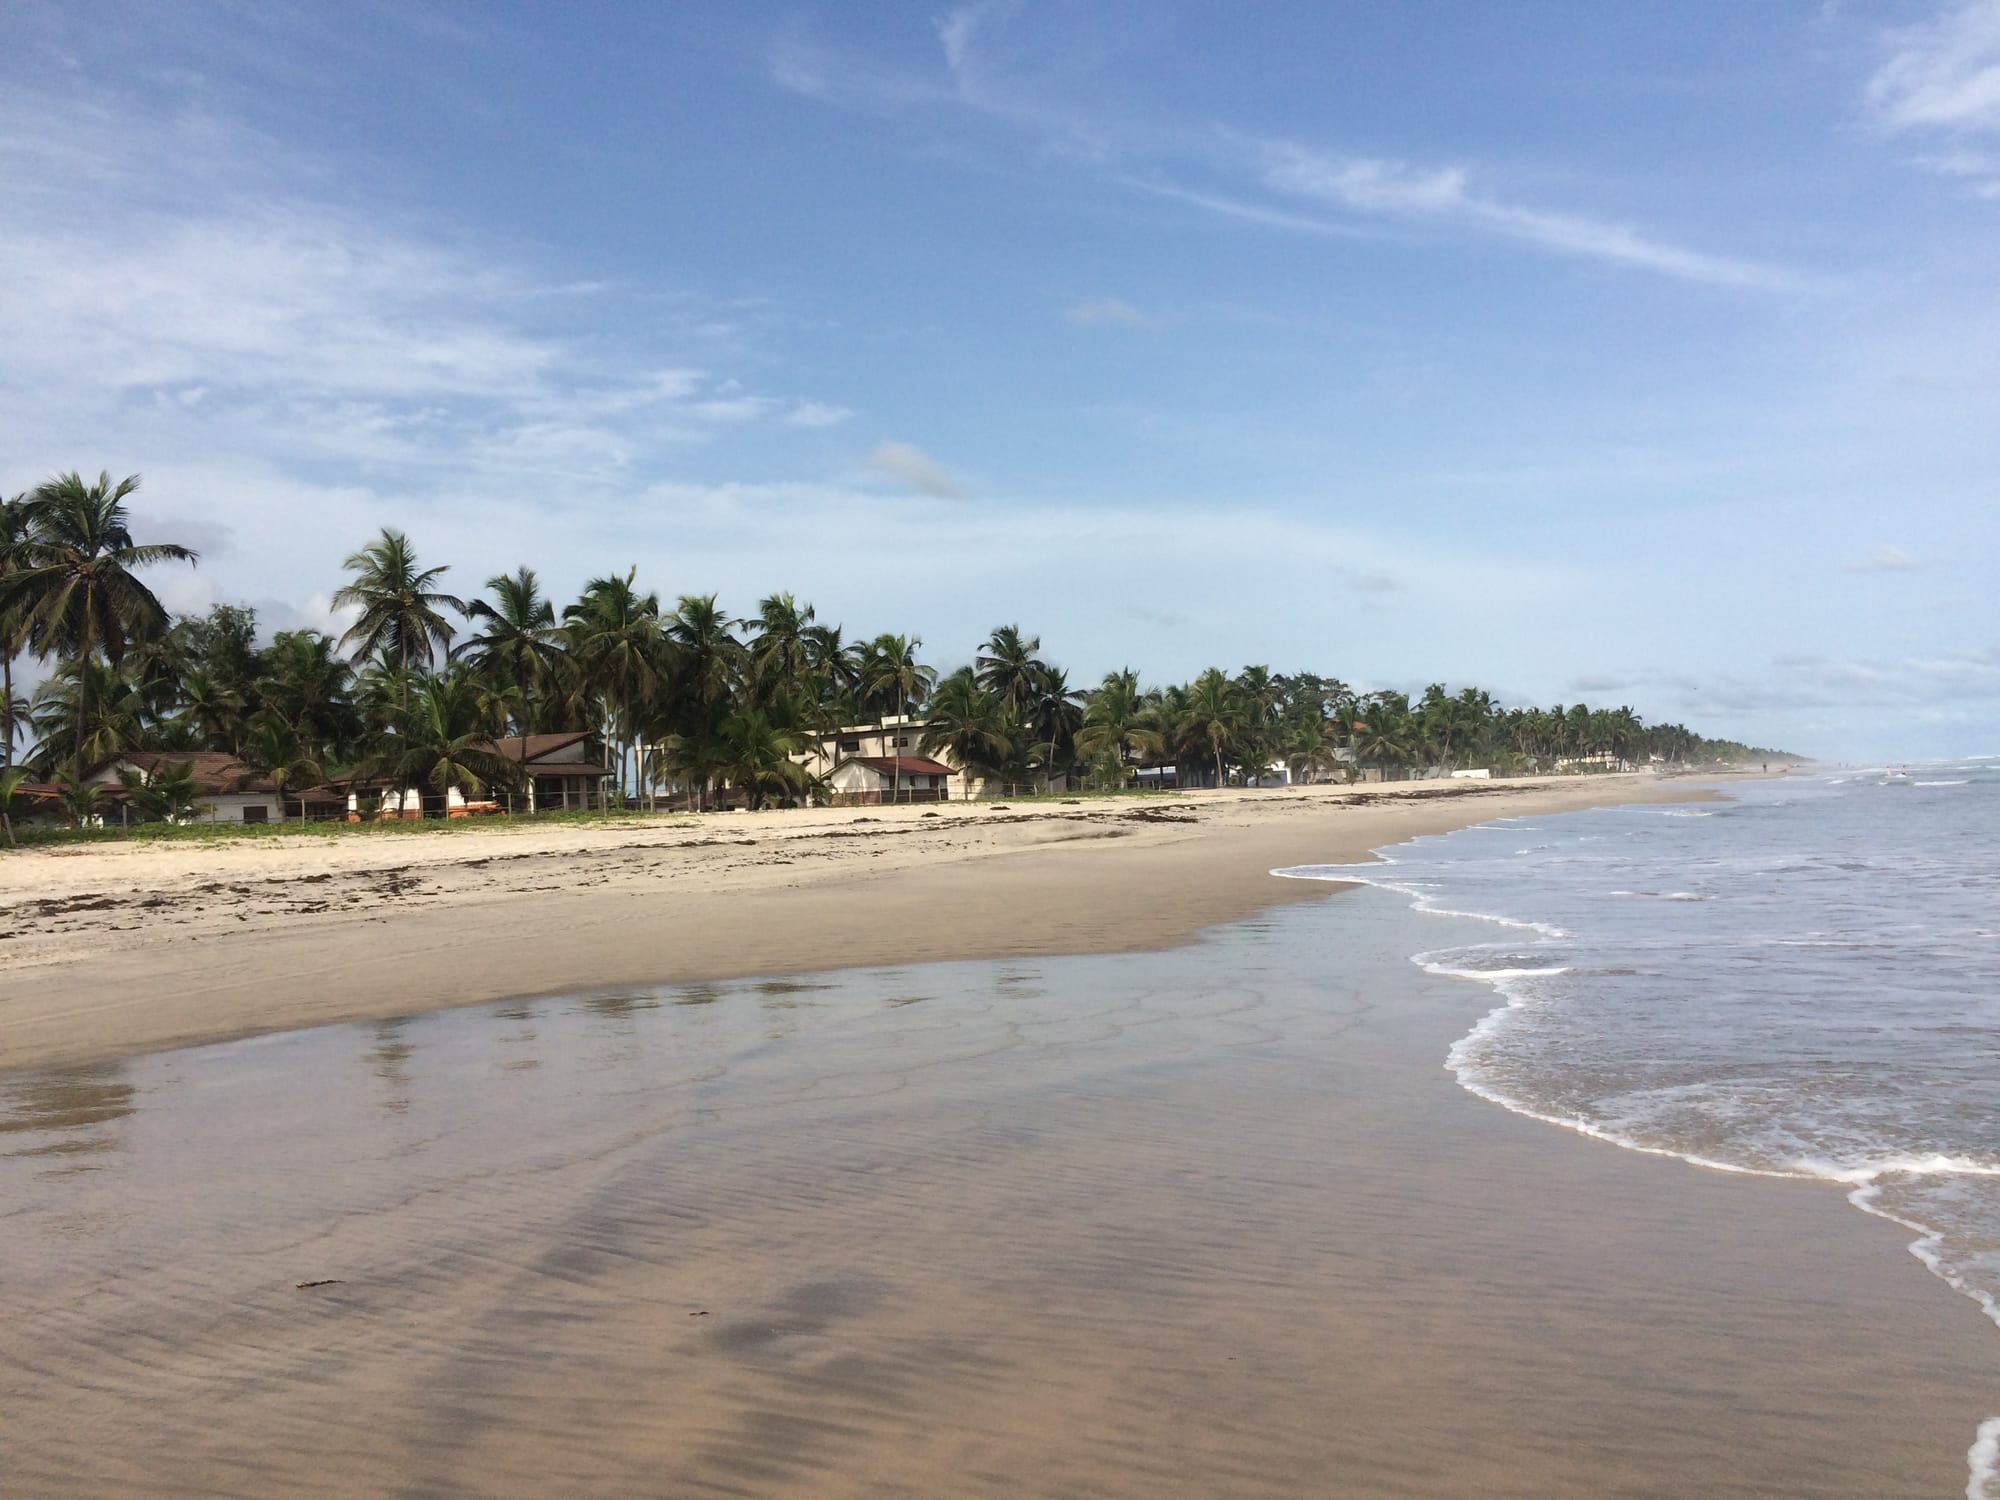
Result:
x=555 y=771
x=230 y=791
x=867 y=780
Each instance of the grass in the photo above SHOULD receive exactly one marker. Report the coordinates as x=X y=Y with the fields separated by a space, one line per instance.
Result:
x=208 y=833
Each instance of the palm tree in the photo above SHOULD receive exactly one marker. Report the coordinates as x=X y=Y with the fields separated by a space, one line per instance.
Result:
x=968 y=723
x=445 y=742
x=892 y=674
x=11 y=778
x=1007 y=666
x=401 y=619
x=13 y=538
x=164 y=794
x=615 y=638
x=755 y=756
x=519 y=644
x=275 y=749
x=1116 y=722
x=782 y=654
x=1215 y=716
x=306 y=684
x=1056 y=718
x=72 y=591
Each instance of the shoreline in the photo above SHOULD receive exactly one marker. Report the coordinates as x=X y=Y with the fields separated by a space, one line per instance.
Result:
x=113 y=951
x=1157 y=1225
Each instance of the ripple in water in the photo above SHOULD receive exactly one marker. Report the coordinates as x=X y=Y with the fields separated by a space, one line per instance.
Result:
x=1799 y=983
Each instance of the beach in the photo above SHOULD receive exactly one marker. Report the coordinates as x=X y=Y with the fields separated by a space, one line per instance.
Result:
x=107 y=950
x=1160 y=1187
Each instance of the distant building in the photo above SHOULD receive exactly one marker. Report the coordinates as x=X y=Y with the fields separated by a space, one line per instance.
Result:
x=868 y=780
x=230 y=791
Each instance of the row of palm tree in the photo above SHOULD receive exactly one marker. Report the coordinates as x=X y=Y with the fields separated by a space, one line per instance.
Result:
x=684 y=697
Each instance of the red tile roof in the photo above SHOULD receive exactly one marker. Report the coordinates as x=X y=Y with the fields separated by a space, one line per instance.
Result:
x=215 y=772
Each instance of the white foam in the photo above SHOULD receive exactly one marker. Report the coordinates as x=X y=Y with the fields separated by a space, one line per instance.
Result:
x=1983 y=1458
x=1945 y=783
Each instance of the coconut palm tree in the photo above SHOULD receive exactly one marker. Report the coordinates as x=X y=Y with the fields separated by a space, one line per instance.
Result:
x=164 y=794
x=73 y=591
x=1008 y=667
x=782 y=654
x=1216 y=714
x=444 y=740
x=968 y=723
x=1116 y=722
x=275 y=749
x=614 y=636
x=518 y=642
x=402 y=609
x=893 y=675
x=306 y=684
x=755 y=755
x=13 y=538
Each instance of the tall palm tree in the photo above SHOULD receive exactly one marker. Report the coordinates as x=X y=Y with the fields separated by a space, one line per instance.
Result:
x=73 y=591
x=13 y=538
x=1216 y=715
x=782 y=654
x=892 y=674
x=614 y=635
x=306 y=684
x=968 y=723
x=518 y=643
x=1008 y=667
x=402 y=609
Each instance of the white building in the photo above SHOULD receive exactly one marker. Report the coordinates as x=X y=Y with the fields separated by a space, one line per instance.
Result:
x=230 y=791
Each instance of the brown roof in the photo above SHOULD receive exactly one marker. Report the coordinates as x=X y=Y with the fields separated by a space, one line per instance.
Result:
x=535 y=746
x=215 y=771
x=909 y=765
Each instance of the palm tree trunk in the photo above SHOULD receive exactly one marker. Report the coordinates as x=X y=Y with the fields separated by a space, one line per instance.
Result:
x=7 y=714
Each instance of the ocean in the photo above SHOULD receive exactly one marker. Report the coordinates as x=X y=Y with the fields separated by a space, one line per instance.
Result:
x=1801 y=982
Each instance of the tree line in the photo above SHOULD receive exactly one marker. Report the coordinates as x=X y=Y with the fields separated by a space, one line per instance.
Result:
x=683 y=696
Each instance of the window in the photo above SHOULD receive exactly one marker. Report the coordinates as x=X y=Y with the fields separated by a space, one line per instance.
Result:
x=257 y=813
x=903 y=742
x=851 y=747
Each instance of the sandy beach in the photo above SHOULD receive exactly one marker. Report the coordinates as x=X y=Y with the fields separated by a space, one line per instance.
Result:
x=107 y=950
x=1196 y=1222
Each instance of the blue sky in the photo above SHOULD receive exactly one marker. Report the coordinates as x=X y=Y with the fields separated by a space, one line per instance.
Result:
x=1640 y=354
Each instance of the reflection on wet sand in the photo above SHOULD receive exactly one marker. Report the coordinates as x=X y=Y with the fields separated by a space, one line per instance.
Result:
x=1198 y=1223
x=65 y=1114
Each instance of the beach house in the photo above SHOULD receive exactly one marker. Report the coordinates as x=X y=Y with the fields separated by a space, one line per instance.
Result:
x=230 y=791
x=865 y=764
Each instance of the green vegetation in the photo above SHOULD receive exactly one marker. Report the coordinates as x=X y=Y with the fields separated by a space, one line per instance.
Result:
x=686 y=699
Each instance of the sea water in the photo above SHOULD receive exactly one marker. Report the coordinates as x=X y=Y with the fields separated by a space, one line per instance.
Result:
x=1802 y=981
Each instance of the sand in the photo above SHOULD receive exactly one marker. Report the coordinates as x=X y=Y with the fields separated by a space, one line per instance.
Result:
x=1211 y=1221
x=107 y=950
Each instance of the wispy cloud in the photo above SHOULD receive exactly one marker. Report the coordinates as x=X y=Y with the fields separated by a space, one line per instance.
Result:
x=177 y=280
x=1109 y=312
x=1445 y=196
x=1884 y=558
x=1944 y=74
x=1942 y=78
x=916 y=468
x=1247 y=177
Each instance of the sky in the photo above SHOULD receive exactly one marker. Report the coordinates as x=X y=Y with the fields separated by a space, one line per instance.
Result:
x=1642 y=355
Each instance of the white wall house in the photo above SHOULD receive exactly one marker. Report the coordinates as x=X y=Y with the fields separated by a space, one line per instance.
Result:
x=864 y=780
x=230 y=791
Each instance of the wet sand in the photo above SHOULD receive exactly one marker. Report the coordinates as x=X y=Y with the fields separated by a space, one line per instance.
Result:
x=1207 y=1222
x=110 y=949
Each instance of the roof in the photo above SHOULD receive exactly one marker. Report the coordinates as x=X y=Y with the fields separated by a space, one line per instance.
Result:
x=215 y=772
x=535 y=746
x=909 y=765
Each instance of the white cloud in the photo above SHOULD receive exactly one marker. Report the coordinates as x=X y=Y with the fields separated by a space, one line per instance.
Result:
x=1398 y=190
x=1942 y=78
x=1943 y=74
x=916 y=468
x=817 y=414
x=1884 y=558
x=1110 y=312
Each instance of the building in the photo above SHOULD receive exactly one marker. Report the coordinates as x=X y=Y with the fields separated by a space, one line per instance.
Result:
x=230 y=791
x=556 y=771
x=868 y=780
x=882 y=762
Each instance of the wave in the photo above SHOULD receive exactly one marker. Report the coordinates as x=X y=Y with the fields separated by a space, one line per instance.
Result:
x=1945 y=783
x=1984 y=1460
